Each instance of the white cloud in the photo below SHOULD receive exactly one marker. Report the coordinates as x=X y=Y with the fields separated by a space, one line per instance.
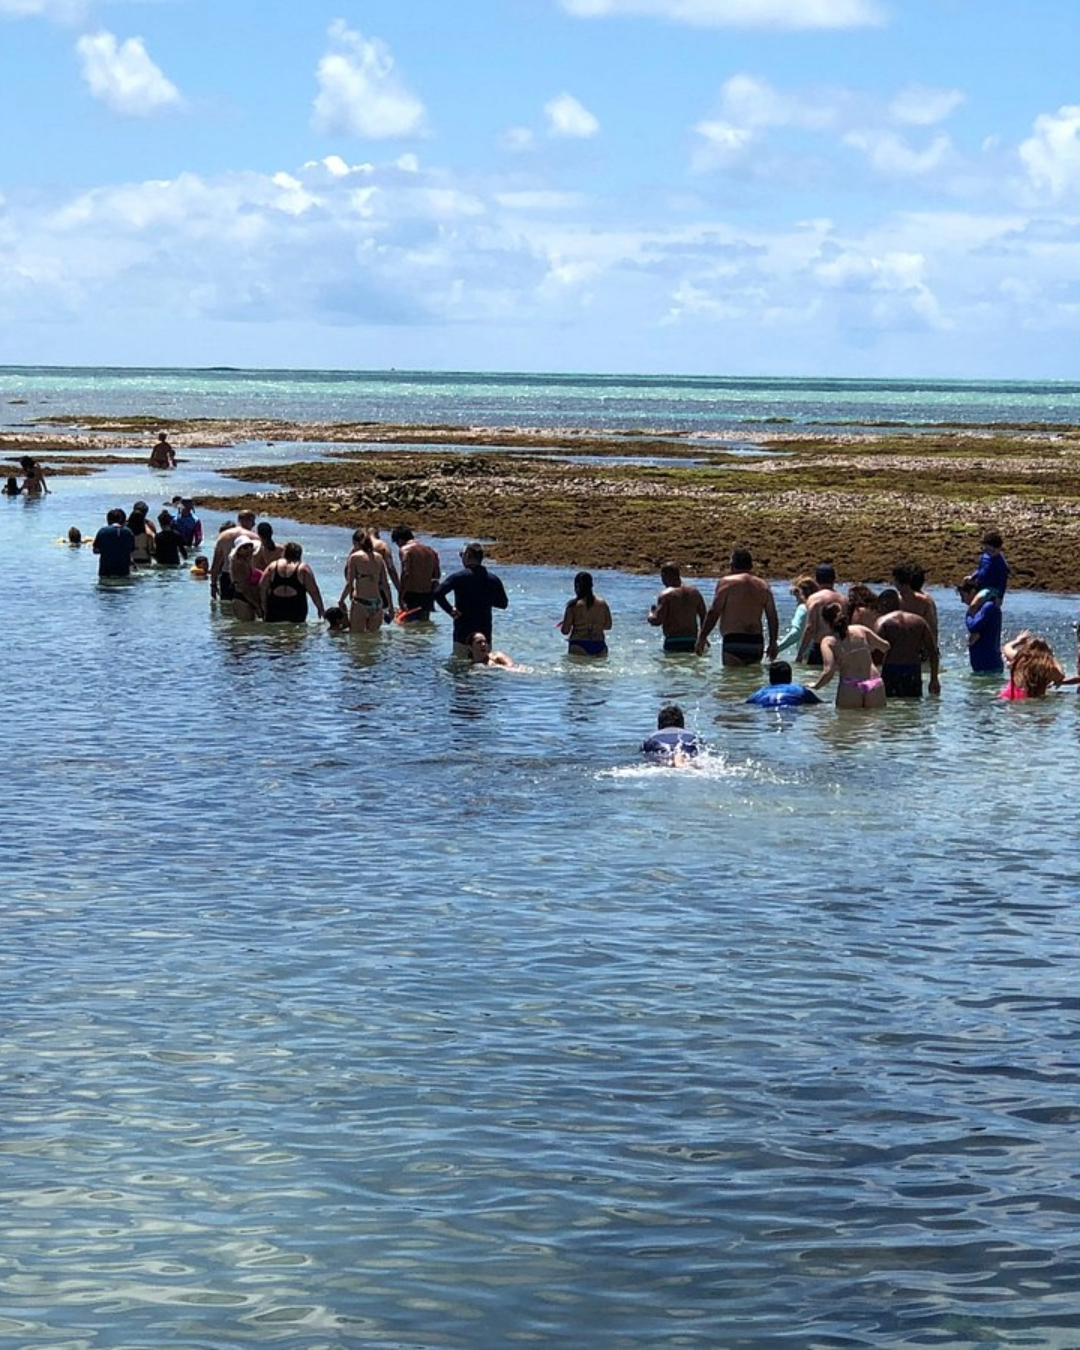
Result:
x=361 y=93
x=123 y=77
x=784 y=14
x=64 y=11
x=922 y=107
x=1051 y=156
x=889 y=154
x=567 y=118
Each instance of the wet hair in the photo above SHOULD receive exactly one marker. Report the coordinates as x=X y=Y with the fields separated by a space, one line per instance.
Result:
x=137 y=522
x=116 y=516
x=671 y=716
x=991 y=539
x=670 y=569
x=825 y=575
x=141 y=506
x=74 y=535
x=583 y=588
x=902 y=574
x=265 y=531
x=836 y=617
x=334 y=616
x=779 y=672
x=741 y=561
x=165 y=520
x=1034 y=668
x=293 y=551
x=859 y=597
x=226 y=525
x=27 y=463
x=918 y=576
x=401 y=534
x=888 y=601
x=201 y=560
x=11 y=487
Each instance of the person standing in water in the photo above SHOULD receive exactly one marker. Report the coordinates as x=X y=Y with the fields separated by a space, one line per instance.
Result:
x=367 y=585
x=162 y=456
x=679 y=611
x=476 y=593
x=742 y=600
x=586 y=619
x=848 y=650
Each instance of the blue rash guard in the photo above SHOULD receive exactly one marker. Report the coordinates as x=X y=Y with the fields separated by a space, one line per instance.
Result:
x=985 y=626
x=476 y=593
x=992 y=573
x=783 y=696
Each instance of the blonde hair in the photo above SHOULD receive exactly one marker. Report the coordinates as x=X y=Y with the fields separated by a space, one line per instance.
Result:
x=1034 y=667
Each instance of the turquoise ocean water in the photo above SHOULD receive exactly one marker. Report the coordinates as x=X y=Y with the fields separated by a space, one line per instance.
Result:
x=353 y=998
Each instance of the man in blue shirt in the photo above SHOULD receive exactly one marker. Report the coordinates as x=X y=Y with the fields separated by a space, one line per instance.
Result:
x=780 y=692
x=114 y=544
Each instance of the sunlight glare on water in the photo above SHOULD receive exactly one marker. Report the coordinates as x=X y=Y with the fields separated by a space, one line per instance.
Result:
x=356 y=998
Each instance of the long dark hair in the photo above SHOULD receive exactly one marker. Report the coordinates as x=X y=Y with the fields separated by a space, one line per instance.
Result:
x=583 y=588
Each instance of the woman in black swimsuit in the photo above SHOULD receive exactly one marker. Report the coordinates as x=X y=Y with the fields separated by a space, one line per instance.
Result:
x=285 y=587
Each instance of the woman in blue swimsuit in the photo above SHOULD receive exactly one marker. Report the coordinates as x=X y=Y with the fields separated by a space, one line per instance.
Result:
x=586 y=619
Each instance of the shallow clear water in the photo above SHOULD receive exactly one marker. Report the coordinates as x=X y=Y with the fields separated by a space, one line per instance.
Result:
x=353 y=998
x=701 y=404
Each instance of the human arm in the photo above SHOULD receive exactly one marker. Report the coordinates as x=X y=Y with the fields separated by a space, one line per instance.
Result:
x=217 y=565
x=1010 y=649
x=384 y=589
x=828 y=664
x=772 y=619
x=567 y=625
x=933 y=655
x=497 y=592
x=606 y=616
x=446 y=588
x=795 y=630
x=312 y=588
x=712 y=617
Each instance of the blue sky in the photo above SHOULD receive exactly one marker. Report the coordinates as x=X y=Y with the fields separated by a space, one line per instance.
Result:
x=756 y=187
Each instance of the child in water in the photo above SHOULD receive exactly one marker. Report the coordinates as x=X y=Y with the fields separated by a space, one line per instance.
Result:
x=201 y=567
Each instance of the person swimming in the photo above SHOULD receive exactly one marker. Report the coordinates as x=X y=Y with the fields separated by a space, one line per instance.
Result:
x=671 y=743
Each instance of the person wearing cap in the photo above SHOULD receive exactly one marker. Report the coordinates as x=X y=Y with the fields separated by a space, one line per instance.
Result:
x=245 y=577
x=476 y=593
x=220 y=580
x=815 y=627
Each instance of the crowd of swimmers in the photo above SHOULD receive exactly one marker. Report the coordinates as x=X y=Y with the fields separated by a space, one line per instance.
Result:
x=875 y=646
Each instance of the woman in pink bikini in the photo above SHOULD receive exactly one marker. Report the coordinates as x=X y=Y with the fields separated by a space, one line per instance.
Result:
x=1033 y=667
x=848 y=650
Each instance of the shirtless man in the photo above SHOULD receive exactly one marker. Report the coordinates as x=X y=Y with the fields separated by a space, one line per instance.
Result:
x=162 y=456
x=910 y=579
x=420 y=573
x=220 y=580
x=367 y=586
x=679 y=611
x=815 y=628
x=910 y=644
x=740 y=603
